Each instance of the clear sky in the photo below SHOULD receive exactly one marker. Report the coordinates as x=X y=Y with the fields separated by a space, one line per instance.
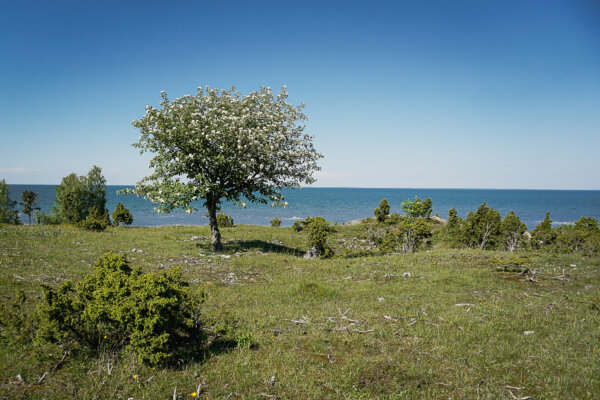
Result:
x=431 y=94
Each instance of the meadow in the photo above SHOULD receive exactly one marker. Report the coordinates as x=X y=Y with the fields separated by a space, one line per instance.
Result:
x=438 y=323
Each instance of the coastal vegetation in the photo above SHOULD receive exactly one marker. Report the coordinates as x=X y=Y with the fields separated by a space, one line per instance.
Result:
x=442 y=322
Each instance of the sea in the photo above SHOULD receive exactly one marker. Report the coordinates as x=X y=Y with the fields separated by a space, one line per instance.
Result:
x=345 y=204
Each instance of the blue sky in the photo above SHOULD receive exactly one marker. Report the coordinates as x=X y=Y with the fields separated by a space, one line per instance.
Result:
x=433 y=94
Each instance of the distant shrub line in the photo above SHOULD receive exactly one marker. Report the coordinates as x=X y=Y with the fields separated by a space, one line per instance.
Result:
x=483 y=228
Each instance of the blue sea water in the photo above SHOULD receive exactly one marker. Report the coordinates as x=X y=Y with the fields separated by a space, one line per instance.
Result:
x=345 y=204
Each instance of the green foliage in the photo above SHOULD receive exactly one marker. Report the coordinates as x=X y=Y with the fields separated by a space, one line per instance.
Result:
x=482 y=227
x=117 y=307
x=76 y=195
x=96 y=220
x=8 y=213
x=225 y=146
x=543 y=234
x=28 y=201
x=454 y=229
x=275 y=222
x=417 y=208
x=243 y=340
x=583 y=236
x=224 y=220
x=297 y=226
x=511 y=231
x=383 y=211
x=121 y=215
x=408 y=235
x=318 y=230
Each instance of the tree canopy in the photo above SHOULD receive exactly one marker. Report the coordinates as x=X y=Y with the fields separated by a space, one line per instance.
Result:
x=221 y=145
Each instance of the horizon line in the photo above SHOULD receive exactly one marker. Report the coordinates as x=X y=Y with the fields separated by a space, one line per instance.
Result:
x=367 y=188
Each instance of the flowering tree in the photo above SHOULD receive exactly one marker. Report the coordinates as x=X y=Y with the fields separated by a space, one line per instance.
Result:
x=222 y=145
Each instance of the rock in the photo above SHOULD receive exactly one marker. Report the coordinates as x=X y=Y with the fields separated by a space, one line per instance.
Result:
x=406 y=275
x=312 y=253
x=438 y=219
x=527 y=333
x=195 y=238
x=380 y=299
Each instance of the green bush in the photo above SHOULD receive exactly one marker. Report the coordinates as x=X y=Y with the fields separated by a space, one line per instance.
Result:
x=417 y=208
x=318 y=230
x=383 y=211
x=583 y=237
x=482 y=228
x=408 y=235
x=152 y=314
x=511 y=232
x=297 y=226
x=543 y=234
x=224 y=220
x=96 y=220
x=48 y=219
x=121 y=215
x=275 y=222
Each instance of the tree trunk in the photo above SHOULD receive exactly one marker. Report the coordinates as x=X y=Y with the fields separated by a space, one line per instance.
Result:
x=215 y=235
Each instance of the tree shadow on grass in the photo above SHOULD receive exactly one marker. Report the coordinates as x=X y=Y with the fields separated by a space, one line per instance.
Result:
x=261 y=245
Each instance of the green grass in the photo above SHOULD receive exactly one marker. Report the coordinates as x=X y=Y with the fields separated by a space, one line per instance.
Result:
x=452 y=329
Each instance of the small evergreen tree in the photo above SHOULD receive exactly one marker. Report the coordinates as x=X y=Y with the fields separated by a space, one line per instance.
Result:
x=29 y=200
x=543 y=234
x=224 y=220
x=275 y=222
x=512 y=230
x=583 y=236
x=408 y=235
x=454 y=228
x=318 y=230
x=121 y=215
x=383 y=211
x=96 y=220
x=482 y=227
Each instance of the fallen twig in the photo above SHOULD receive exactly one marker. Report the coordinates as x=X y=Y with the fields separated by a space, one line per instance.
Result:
x=343 y=315
x=41 y=378
x=512 y=396
x=367 y=331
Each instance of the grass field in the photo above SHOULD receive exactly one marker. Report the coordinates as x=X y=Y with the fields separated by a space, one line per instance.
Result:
x=440 y=323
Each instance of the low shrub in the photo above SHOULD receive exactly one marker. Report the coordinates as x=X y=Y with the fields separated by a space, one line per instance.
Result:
x=318 y=231
x=95 y=221
x=275 y=222
x=407 y=236
x=224 y=220
x=383 y=211
x=121 y=215
x=297 y=226
x=153 y=314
